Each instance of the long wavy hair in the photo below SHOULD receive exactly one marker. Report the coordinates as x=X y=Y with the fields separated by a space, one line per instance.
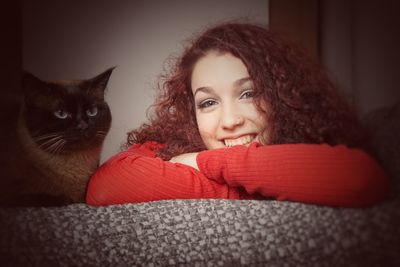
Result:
x=304 y=106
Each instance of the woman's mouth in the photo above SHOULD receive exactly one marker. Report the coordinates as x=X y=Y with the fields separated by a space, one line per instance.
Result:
x=243 y=140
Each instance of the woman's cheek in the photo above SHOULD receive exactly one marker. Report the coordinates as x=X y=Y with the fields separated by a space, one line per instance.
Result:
x=208 y=127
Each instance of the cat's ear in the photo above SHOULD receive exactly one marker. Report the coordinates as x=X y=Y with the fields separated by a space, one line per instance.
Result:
x=99 y=83
x=32 y=86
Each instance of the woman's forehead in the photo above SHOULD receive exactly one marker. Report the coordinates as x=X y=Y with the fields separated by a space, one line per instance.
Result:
x=216 y=69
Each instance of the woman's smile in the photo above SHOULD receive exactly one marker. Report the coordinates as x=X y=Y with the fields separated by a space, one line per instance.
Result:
x=241 y=140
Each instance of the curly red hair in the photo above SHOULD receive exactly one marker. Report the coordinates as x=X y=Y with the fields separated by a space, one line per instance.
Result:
x=304 y=106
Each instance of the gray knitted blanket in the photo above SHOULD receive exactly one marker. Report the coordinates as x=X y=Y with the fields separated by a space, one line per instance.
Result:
x=202 y=233
x=210 y=232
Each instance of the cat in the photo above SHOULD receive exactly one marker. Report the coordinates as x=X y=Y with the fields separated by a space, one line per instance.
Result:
x=53 y=146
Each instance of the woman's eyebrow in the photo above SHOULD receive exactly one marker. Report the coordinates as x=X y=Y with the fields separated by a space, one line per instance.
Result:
x=242 y=81
x=204 y=89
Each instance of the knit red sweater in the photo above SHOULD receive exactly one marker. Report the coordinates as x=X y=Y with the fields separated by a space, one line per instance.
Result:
x=317 y=174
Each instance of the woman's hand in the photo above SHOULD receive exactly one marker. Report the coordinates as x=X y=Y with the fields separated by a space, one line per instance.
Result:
x=187 y=159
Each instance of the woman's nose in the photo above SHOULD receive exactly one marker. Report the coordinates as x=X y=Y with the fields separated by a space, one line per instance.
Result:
x=231 y=118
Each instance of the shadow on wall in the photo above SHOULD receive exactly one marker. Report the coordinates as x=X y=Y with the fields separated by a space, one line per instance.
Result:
x=360 y=43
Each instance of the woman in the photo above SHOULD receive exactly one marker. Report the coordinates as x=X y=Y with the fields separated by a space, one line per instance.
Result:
x=244 y=115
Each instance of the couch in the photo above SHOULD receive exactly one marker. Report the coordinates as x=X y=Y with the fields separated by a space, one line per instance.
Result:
x=211 y=232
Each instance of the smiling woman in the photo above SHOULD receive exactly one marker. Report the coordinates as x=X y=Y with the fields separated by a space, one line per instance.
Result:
x=244 y=115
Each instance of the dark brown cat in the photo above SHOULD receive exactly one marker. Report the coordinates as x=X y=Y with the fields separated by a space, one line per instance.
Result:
x=53 y=145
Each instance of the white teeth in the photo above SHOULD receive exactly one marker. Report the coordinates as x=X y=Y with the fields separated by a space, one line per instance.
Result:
x=239 y=141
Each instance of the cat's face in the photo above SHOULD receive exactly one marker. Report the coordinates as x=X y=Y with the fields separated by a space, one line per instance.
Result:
x=66 y=116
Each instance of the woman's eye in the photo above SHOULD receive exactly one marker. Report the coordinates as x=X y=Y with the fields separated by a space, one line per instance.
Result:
x=61 y=114
x=206 y=104
x=92 y=111
x=247 y=94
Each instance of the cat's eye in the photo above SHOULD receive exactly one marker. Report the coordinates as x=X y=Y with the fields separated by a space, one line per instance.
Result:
x=92 y=111
x=61 y=114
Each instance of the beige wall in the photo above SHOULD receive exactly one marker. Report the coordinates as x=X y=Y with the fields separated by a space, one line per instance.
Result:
x=78 y=39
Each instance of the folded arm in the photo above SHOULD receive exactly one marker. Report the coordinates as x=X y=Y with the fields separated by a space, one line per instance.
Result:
x=318 y=174
x=138 y=176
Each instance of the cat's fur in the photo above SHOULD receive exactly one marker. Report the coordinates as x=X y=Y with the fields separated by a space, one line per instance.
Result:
x=53 y=145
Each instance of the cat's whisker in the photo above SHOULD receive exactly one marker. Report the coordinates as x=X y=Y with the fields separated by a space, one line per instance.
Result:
x=45 y=136
x=59 y=147
x=56 y=147
x=48 y=148
x=37 y=133
x=49 y=141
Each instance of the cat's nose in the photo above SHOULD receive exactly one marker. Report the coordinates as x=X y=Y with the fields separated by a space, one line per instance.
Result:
x=82 y=125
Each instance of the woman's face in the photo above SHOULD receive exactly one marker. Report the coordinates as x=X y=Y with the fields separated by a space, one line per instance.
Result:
x=225 y=109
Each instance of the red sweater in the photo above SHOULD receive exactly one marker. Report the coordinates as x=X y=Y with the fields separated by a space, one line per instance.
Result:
x=317 y=174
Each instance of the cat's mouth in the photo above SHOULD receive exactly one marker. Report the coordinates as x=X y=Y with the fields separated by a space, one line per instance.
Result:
x=84 y=139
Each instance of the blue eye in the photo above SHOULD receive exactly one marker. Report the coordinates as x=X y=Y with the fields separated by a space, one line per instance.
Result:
x=61 y=114
x=247 y=94
x=92 y=111
x=206 y=103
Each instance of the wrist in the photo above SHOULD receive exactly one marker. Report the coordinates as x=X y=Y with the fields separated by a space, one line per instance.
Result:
x=212 y=163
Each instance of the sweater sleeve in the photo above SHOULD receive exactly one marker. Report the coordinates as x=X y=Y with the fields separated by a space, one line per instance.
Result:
x=317 y=174
x=137 y=175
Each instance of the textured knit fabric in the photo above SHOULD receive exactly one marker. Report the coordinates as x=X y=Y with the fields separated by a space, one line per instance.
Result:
x=318 y=174
x=201 y=233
